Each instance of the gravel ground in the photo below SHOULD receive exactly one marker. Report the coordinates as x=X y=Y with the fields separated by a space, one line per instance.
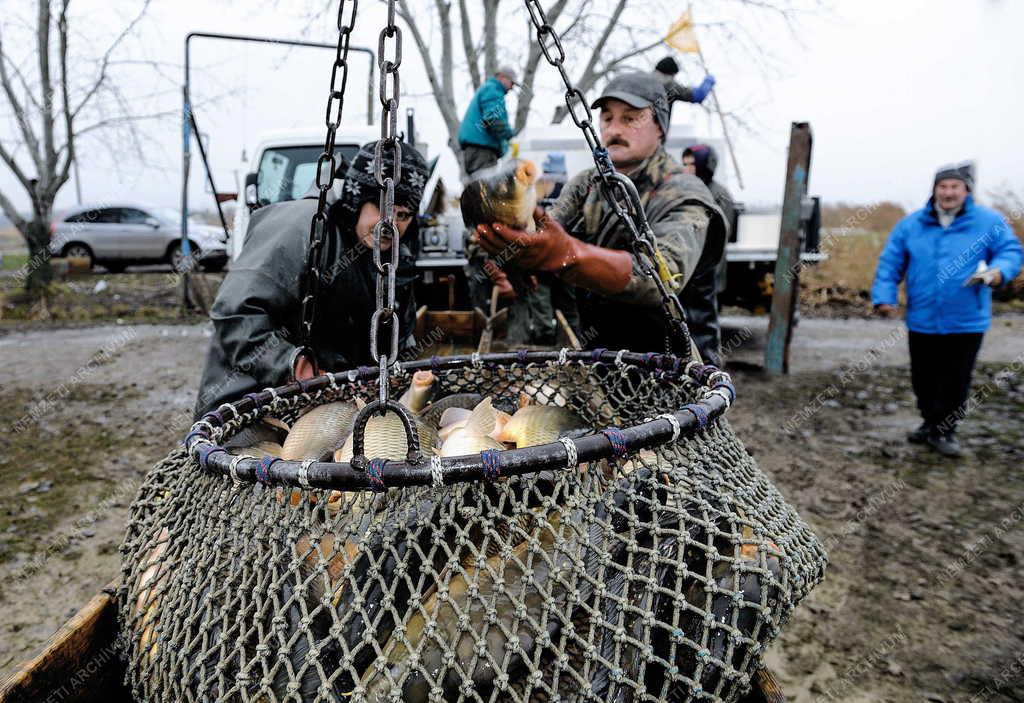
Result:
x=921 y=599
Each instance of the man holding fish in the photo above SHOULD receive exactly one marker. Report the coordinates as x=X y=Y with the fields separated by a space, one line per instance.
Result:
x=581 y=241
x=258 y=310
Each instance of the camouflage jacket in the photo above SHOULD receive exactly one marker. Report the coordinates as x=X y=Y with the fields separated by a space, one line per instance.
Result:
x=688 y=225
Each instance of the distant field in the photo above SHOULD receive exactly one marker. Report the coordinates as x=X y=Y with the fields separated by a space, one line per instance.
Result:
x=10 y=240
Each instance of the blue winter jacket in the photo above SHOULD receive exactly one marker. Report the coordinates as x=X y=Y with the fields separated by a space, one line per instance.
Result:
x=486 y=121
x=937 y=261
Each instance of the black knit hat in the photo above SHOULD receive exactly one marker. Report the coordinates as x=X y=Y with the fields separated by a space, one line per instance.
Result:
x=668 y=66
x=361 y=185
x=963 y=171
x=705 y=160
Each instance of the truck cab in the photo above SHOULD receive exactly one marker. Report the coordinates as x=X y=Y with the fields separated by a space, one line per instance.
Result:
x=284 y=168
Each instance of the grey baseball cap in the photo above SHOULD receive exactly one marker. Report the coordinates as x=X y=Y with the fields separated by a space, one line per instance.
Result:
x=638 y=90
x=509 y=73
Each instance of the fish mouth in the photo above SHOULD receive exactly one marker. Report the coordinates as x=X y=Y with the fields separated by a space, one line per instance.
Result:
x=527 y=172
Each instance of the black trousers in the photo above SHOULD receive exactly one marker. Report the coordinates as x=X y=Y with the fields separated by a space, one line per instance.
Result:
x=941 y=366
x=477 y=158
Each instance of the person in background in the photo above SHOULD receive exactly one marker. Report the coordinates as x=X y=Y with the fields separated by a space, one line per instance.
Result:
x=700 y=297
x=951 y=253
x=666 y=70
x=485 y=129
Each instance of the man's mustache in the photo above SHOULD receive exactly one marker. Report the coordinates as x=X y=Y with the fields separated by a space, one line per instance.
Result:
x=618 y=142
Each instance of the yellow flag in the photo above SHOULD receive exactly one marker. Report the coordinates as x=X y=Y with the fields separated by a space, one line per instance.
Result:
x=681 y=36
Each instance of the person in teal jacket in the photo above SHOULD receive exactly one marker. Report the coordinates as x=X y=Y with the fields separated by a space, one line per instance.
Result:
x=485 y=129
x=951 y=253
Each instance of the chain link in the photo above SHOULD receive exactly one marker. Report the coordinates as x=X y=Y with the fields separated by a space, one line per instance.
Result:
x=617 y=189
x=326 y=166
x=389 y=58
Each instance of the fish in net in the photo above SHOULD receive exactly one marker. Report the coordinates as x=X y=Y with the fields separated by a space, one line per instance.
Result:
x=654 y=573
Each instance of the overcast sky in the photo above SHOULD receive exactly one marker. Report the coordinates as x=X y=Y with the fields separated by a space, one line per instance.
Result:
x=891 y=89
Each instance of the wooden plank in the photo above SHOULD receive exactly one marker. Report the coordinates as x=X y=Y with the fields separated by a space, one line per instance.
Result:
x=787 y=264
x=565 y=332
x=80 y=663
x=456 y=324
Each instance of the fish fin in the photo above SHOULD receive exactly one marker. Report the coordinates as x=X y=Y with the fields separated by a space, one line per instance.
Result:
x=482 y=420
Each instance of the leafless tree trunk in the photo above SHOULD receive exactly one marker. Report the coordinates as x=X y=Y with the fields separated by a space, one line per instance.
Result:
x=45 y=112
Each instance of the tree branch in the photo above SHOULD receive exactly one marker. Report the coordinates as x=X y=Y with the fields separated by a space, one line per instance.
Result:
x=62 y=178
x=19 y=112
x=490 y=37
x=444 y=102
x=49 y=157
x=447 y=74
x=8 y=158
x=12 y=214
x=589 y=75
x=533 y=57
x=472 y=55
x=105 y=61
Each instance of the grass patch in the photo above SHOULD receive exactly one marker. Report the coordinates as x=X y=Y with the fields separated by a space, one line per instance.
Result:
x=152 y=297
x=50 y=463
x=14 y=261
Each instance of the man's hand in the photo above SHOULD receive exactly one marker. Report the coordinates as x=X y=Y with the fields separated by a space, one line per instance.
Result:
x=885 y=310
x=550 y=248
x=304 y=368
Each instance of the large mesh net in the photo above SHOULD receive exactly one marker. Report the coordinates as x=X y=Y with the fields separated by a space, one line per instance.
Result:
x=660 y=574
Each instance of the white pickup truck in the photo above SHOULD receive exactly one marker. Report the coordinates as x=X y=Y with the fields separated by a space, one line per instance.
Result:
x=284 y=168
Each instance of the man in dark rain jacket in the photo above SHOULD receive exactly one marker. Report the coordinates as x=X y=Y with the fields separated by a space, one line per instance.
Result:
x=257 y=313
x=700 y=297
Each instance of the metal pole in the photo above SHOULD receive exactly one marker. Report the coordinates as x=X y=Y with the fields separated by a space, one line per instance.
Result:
x=187 y=121
x=787 y=263
x=721 y=117
x=209 y=174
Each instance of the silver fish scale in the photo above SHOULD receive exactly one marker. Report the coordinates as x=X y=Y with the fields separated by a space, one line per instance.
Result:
x=662 y=575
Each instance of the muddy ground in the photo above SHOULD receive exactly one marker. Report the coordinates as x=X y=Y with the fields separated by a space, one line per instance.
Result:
x=923 y=596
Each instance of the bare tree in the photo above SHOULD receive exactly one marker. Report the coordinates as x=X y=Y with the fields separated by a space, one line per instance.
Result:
x=52 y=108
x=601 y=37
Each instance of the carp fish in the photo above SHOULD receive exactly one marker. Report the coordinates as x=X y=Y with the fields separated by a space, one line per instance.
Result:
x=540 y=424
x=384 y=438
x=317 y=433
x=419 y=391
x=506 y=193
x=478 y=431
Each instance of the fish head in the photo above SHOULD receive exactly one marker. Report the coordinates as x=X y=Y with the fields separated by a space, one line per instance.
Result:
x=506 y=193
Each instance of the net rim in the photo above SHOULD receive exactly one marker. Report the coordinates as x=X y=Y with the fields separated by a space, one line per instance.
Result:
x=606 y=443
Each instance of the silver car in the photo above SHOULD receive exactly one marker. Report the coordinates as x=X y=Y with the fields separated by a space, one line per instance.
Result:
x=119 y=235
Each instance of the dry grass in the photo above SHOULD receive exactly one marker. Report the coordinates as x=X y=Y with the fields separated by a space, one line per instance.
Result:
x=11 y=240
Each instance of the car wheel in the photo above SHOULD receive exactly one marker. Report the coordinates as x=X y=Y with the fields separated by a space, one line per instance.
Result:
x=78 y=251
x=176 y=258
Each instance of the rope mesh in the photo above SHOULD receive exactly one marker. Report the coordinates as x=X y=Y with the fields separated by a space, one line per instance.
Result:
x=660 y=575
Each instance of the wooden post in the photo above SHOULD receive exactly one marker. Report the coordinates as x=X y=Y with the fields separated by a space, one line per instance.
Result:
x=787 y=264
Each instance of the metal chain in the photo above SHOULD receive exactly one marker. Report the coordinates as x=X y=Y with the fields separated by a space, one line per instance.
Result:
x=326 y=165
x=618 y=190
x=386 y=314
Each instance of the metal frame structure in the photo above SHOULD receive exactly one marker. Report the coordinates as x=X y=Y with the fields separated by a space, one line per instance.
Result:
x=189 y=125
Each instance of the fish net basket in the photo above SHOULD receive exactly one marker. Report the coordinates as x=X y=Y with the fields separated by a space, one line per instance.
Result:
x=646 y=560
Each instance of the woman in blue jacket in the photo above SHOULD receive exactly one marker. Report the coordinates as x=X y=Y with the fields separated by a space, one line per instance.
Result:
x=951 y=253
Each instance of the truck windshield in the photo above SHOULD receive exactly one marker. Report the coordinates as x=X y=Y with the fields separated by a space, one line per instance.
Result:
x=287 y=172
